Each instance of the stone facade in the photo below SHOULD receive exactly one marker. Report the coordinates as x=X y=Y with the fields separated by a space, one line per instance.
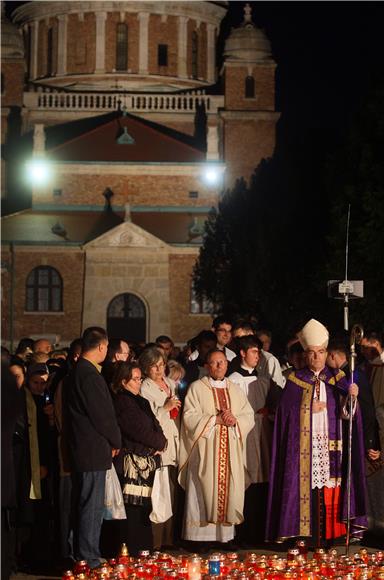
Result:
x=116 y=263
x=66 y=324
x=94 y=25
x=184 y=325
x=244 y=132
x=84 y=185
x=73 y=46
x=12 y=84
x=264 y=79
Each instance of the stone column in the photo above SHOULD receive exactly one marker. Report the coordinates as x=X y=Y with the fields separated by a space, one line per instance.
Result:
x=143 y=42
x=101 y=17
x=38 y=140
x=62 y=45
x=34 y=32
x=182 y=47
x=213 y=143
x=211 y=52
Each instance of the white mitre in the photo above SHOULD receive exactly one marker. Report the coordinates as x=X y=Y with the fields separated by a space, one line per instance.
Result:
x=313 y=334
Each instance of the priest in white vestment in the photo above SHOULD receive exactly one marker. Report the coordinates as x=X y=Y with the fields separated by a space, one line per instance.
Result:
x=216 y=421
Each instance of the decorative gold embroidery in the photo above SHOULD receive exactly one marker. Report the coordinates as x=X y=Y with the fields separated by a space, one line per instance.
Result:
x=292 y=377
x=340 y=375
x=305 y=458
x=335 y=445
x=222 y=495
x=333 y=380
x=222 y=403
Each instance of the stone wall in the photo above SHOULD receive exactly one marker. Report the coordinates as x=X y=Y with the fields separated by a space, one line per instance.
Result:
x=81 y=53
x=140 y=189
x=133 y=41
x=80 y=23
x=162 y=31
x=264 y=77
x=245 y=135
x=140 y=271
x=184 y=325
x=70 y=264
x=160 y=278
x=12 y=83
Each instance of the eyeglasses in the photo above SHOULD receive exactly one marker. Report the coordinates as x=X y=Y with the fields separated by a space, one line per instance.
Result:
x=159 y=365
x=137 y=379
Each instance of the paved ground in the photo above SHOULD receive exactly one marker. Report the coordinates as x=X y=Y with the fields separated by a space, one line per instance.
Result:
x=340 y=549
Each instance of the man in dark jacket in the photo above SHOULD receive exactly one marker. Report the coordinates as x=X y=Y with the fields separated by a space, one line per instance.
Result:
x=94 y=438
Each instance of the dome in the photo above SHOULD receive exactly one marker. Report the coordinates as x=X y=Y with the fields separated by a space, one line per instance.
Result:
x=12 y=45
x=247 y=42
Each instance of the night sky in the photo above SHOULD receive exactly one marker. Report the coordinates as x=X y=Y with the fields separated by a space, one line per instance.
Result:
x=327 y=53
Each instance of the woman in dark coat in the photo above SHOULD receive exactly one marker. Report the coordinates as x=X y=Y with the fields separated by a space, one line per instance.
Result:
x=142 y=442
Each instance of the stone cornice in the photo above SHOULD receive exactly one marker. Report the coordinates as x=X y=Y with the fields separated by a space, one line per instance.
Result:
x=201 y=11
x=249 y=62
x=176 y=169
x=247 y=115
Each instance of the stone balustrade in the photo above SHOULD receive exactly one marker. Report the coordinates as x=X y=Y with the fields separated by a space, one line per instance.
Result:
x=140 y=103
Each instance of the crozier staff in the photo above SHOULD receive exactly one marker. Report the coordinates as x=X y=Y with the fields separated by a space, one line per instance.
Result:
x=308 y=470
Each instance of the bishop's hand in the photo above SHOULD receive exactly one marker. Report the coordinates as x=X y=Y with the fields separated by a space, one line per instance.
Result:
x=353 y=390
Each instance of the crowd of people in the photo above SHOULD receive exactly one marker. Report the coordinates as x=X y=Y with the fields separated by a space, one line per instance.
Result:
x=216 y=443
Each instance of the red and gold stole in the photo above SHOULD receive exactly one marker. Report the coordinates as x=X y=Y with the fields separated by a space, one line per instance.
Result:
x=222 y=402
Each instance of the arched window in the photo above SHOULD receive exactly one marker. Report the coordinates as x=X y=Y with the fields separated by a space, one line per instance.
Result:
x=50 y=52
x=44 y=291
x=121 y=46
x=195 y=54
x=249 y=87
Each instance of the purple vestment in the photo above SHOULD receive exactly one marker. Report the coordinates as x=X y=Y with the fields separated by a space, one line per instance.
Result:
x=289 y=501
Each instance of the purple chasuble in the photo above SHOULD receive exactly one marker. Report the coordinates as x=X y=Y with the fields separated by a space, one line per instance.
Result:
x=290 y=487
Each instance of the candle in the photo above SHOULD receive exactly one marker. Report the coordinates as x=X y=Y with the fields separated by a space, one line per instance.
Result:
x=194 y=568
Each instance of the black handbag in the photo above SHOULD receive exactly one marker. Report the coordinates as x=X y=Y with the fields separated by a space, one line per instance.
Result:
x=138 y=476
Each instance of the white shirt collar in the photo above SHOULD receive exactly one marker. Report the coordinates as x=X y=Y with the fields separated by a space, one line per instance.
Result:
x=247 y=368
x=221 y=384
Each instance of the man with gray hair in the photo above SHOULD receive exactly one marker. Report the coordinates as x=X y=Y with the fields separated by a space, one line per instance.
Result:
x=308 y=468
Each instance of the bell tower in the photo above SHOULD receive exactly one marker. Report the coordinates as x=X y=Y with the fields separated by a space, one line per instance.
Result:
x=249 y=117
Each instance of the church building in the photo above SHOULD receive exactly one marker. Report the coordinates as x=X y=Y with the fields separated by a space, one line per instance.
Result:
x=119 y=134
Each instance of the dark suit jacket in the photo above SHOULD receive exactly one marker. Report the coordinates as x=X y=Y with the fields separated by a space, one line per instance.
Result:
x=12 y=402
x=92 y=426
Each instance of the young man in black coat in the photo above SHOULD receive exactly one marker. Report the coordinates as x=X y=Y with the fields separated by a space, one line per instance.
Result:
x=94 y=438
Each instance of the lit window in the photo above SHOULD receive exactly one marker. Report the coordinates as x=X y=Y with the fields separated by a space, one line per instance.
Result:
x=44 y=290
x=200 y=305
